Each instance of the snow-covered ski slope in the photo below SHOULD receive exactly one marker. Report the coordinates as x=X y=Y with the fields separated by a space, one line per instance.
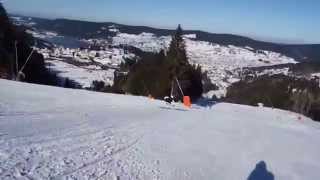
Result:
x=55 y=133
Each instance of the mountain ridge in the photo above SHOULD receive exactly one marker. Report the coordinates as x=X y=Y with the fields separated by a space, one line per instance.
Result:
x=87 y=29
x=167 y=29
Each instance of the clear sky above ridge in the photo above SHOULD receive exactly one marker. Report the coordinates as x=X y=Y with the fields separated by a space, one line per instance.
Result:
x=287 y=21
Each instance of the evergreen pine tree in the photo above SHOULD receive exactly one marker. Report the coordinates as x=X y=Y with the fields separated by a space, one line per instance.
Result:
x=188 y=76
x=177 y=56
x=156 y=73
x=7 y=38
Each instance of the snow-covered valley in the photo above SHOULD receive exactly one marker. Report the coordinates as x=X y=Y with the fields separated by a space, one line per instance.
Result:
x=54 y=133
x=85 y=66
x=223 y=63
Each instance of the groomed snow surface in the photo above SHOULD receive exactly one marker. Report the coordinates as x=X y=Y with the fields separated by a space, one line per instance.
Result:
x=55 y=133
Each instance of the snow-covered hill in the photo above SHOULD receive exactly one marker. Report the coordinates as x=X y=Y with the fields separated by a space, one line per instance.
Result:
x=54 y=133
x=222 y=62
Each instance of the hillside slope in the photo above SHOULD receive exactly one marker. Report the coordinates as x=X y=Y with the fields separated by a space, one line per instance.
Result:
x=53 y=133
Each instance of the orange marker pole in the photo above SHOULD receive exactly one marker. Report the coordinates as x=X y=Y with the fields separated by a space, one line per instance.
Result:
x=187 y=101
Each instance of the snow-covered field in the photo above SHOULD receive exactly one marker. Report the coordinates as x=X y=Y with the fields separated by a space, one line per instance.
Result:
x=42 y=35
x=55 y=133
x=59 y=59
x=22 y=21
x=144 y=41
x=84 y=76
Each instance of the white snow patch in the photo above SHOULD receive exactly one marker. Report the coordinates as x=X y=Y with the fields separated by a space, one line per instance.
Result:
x=113 y=28
x=42 y=35
x=224 y=63
x=284 y=71
x=82 y=75
x=144 y=41
x=190 y=36
x=316 y=75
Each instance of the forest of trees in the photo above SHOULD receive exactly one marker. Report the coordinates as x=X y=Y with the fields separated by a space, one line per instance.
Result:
x=279 y=91
x=159 y=74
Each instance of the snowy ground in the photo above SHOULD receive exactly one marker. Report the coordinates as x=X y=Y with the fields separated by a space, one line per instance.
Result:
x=224 y=64
x=55 y=133
x=84 y=76
x=144 y=41
x=23 y=21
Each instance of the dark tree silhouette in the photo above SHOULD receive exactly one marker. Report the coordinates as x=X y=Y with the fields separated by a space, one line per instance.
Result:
x=15 y=40
x=177 y=56
x=188 y=76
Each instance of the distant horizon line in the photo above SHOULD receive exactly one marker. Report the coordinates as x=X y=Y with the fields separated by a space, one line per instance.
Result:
x=253 y=37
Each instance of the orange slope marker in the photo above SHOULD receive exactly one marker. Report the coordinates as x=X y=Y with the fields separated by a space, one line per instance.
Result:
x=187 y=101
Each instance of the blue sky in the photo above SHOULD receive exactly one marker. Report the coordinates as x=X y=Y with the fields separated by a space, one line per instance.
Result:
x=288 y=21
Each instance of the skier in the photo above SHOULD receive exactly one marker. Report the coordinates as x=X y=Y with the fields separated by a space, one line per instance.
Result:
x=168 y=99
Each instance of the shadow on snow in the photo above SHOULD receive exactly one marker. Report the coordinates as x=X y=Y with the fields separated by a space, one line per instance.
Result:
x=206 y=103
x=261 y=172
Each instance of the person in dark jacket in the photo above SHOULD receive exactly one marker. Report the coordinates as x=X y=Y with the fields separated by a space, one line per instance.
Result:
x=168 y=99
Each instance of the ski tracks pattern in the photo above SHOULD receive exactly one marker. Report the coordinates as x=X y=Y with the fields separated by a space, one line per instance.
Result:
x=80 y=152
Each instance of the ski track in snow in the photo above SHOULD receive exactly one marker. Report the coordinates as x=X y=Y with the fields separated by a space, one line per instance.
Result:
x=53 y=133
